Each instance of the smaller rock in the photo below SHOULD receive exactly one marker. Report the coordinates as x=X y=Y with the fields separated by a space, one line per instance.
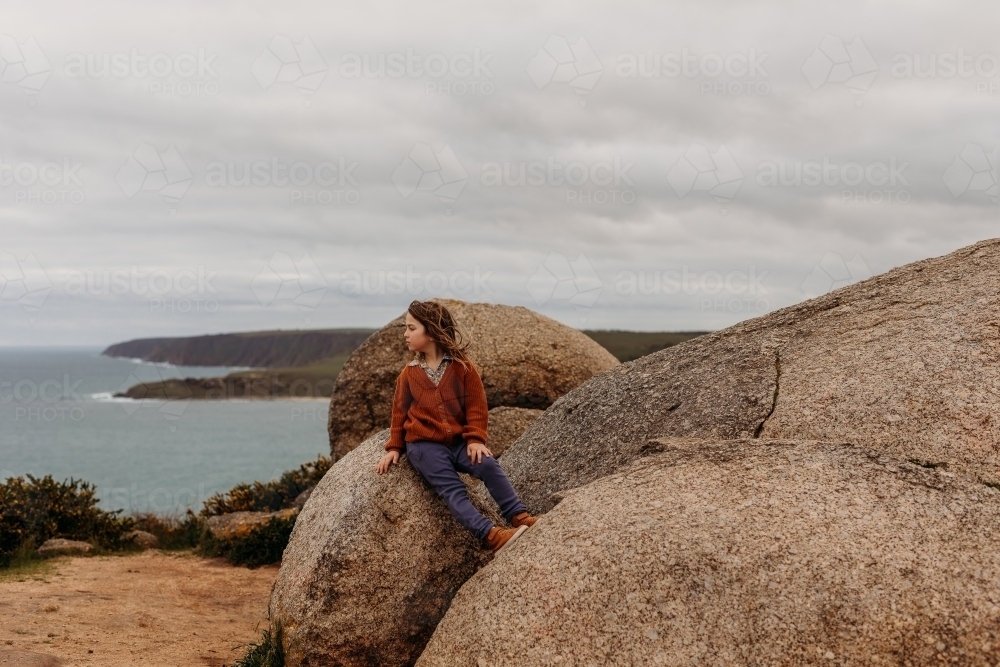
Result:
x=143 y=539
x=11 y=657
x=300 y=500
x=239 y=524
x=60 y=547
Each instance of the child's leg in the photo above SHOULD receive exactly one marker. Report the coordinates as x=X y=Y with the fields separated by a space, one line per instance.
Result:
x=432 y=461
x=493 y=476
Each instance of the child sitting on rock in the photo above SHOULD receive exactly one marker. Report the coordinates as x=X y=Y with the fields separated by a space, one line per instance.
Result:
x=439 y=415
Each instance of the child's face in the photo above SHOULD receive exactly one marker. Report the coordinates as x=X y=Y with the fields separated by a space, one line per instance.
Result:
x=416 y=336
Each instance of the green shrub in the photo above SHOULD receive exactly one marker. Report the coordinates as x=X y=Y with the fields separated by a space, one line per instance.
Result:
x=269 y=496
x=268 y=653
x=35 y=509
x=262 y=546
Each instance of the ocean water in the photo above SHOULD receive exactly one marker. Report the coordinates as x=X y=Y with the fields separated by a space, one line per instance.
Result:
x=58 y=417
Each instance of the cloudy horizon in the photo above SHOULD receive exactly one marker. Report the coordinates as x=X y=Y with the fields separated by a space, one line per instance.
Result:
x=193 y=168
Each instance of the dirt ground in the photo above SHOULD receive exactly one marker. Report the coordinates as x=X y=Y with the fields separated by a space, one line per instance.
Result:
x=149 y=608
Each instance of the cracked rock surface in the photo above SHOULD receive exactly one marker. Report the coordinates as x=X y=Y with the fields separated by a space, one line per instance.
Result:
x=907 y=361
x=525 y=359
x=372 y=563
x=743 y=553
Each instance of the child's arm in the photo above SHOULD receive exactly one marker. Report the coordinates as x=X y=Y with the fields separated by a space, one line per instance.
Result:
x=477 y=413
x=401 y=401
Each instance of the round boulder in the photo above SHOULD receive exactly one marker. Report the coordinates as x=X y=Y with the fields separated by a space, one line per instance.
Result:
x=743 y=553
x=904 y=362
x=372 y=564
x=525 y=359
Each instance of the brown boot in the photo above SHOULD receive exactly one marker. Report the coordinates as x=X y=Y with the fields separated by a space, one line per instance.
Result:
x=523 y=519
x=498 y=537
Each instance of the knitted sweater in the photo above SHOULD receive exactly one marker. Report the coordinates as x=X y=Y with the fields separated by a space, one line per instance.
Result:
x=455 y=407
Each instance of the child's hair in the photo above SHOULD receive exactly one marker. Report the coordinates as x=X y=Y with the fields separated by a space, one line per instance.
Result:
x=440 y=326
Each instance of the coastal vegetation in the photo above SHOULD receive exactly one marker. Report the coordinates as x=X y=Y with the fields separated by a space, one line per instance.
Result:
x=38 y=509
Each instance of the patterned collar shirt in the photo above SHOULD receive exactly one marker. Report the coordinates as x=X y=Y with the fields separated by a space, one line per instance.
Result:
x=434 y=375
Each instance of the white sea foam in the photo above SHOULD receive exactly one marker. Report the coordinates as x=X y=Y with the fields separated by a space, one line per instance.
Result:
x=108 y=397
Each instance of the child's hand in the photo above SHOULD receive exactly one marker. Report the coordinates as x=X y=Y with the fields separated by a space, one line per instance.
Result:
x=476 y=451
x=387 y=460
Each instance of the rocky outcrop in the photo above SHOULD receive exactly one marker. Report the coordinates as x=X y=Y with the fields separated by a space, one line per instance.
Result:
x=525 y=360
x=747 y=552
x=372 y=564
x=60 y=547
x=236 y=525
x=905 y=361
x=260 y=349
x=506 y=425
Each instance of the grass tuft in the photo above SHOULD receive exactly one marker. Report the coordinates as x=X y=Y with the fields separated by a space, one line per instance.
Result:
x=267 y=653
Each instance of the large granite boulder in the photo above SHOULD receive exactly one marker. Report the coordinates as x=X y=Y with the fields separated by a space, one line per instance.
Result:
x=372 y=564
x=525 y=359
x=743 y=553
x=506 y=425
x=905 y=361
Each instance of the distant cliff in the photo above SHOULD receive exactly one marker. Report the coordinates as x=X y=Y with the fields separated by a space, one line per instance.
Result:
x=258 y=349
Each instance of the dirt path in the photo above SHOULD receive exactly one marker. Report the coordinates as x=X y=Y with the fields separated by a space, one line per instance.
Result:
x=150 y=608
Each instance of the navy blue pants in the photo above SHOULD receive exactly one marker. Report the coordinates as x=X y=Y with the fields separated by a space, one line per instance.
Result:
x=439 y=465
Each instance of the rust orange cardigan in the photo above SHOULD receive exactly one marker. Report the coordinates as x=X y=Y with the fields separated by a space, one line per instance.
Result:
x=455 y=407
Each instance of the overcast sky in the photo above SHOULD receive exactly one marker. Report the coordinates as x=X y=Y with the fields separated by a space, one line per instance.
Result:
x=188 y=168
